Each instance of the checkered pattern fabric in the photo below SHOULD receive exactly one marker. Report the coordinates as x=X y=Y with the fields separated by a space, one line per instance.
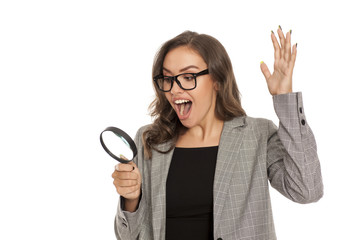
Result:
x=252 y=153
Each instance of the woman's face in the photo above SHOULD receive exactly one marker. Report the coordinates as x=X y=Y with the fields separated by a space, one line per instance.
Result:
x=193 y=107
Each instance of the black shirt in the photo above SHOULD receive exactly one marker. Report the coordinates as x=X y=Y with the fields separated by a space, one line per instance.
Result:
x=189 y=194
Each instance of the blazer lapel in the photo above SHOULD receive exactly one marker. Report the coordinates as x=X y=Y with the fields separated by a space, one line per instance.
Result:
x=159 y=170
x=230 y=143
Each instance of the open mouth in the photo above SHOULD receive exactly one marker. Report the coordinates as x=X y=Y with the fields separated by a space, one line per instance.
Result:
x=183 y=106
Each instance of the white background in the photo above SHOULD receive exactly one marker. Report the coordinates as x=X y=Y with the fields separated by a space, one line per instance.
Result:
x=70 y=68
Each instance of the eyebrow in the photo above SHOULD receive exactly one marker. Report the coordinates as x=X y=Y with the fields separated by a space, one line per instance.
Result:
x=183 y=69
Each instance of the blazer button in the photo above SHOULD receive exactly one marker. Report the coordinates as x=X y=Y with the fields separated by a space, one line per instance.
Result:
x=300 y=109
x=219 y=239
x=303 y=122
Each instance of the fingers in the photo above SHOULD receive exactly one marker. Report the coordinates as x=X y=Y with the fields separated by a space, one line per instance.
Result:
x=124 y=182
x=126 y=171
x=282 y=50
x=132 y=192
x=282 y=42
x=277 y=50
x=125 y=175
x=125 y=167
x=127 y=180
x=293 y=56
x=287 y=47
x=280 y=81
x=127 y=184
x=265 y=70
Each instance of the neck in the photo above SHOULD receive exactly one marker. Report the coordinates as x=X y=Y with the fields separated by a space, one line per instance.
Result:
x=206 y=131
x=203 y=135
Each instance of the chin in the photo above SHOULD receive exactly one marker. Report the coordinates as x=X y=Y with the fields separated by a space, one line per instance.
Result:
x=188 y=123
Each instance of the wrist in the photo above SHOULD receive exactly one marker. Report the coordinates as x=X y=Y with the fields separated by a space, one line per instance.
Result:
x=284 y=92
x=131 y=205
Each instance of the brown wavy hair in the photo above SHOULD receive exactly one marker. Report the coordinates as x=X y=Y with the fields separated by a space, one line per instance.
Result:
x=167 y=126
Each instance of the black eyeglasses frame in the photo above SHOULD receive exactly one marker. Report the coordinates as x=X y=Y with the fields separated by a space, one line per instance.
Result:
x=175 y=78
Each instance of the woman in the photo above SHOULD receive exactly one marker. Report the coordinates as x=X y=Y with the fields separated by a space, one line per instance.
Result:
x=203 y=166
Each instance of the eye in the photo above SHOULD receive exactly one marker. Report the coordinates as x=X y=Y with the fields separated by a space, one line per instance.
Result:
x=188 y=77
x=167 y=79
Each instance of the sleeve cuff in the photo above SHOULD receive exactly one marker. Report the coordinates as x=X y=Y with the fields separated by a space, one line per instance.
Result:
x=131 y=220
x=290 y=109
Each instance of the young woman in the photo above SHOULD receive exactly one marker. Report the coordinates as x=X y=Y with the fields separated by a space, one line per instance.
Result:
x=203 y=166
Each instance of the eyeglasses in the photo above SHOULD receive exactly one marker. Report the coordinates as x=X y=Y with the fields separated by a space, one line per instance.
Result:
x=186 y=81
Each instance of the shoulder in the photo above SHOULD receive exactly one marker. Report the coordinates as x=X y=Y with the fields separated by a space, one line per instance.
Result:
x=258 y=121
x=251 y=125
x=139 y=134
x=142 y=129
x=249 y=122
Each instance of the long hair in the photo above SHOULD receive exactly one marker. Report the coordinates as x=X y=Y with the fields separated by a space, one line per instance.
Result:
x=167 y=126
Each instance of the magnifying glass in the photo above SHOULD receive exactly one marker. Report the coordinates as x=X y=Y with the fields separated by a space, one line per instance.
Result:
x=118 y=144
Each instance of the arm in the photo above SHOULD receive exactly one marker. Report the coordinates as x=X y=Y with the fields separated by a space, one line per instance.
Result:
x=131 y=208
x=292 y=161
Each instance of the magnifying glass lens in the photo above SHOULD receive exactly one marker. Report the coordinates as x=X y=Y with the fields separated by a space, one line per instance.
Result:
x=117 y=145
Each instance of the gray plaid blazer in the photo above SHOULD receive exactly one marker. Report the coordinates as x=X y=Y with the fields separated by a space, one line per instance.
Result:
x=252 y=153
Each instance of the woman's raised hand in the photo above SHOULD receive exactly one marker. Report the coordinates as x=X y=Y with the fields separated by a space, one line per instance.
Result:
x=280 y=81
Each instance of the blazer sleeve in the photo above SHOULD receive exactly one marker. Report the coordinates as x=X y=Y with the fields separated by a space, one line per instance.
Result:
x=292 y=161
x=128 y=224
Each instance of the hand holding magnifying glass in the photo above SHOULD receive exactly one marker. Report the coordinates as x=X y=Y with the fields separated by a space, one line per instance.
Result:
x=127 y=177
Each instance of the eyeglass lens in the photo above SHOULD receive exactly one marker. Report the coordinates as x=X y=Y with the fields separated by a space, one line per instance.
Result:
x=187 y=81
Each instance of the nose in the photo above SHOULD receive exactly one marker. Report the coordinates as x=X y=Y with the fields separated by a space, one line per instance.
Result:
x=176 y=88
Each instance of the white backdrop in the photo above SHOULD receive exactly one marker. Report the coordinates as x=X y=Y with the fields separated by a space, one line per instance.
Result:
x=70 y=68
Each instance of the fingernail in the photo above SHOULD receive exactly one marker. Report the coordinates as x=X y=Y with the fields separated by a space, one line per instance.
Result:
x=122 y=156
x=272 y=31
x=280 y=28
x=290 y=31
x=296 y=45
x=261 y=62
x=116 y=167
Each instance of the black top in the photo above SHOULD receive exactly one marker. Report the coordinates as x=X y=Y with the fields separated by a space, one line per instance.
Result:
x=189 y=194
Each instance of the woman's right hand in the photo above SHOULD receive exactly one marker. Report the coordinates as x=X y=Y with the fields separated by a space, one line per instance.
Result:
x=127 y=181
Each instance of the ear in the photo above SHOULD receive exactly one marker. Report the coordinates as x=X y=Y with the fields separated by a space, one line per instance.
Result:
x=216 y=85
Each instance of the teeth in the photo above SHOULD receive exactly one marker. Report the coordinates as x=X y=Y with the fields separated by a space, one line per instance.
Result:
x=181 y=101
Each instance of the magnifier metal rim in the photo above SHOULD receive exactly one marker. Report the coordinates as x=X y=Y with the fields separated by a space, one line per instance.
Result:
x=125 y=136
